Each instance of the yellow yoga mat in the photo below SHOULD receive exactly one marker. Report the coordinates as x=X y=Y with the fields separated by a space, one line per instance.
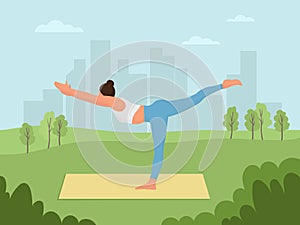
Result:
x=95 y=186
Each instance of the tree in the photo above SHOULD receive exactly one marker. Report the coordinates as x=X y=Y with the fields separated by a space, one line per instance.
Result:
x=60 y=127
x=263 y=118
x=26 y=135
x=252 y=123
x=47 y=125
x=231 y=120
x=281 y=122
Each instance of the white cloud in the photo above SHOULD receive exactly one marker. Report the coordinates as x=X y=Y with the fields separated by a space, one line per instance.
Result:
x=196 y=40
x=56 y=26
x=241 y=19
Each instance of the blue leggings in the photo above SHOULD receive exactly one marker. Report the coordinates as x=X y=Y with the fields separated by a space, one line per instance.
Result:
x=158 y=113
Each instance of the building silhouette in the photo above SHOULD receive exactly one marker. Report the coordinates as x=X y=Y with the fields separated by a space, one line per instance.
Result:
x=74 y=78
x=133 y=87
x=98 y=117
x=246 y=97
x=166 y=82
x=34 y=111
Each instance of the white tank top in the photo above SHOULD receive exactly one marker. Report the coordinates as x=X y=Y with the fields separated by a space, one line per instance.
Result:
x=126 y=115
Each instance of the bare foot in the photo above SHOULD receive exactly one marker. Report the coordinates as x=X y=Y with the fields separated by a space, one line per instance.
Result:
x=146 y=187
x=230 y=83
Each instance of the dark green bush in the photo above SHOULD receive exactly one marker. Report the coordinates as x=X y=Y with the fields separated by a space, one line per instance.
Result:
x=243 y=196
x=18 y=209
x=274 y=205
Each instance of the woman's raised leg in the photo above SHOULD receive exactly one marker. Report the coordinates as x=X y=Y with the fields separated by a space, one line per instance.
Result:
x=181 y=105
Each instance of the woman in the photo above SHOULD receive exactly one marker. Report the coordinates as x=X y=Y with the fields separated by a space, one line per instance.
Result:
x=156 y=114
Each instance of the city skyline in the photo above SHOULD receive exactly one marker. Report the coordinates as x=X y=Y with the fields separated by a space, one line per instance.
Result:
x=88 y=116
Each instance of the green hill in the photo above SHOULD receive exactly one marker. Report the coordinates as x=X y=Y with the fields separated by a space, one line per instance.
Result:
x=10 y=143
x=44 y=171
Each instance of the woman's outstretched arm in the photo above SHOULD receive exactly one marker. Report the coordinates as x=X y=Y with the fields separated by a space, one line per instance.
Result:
x=100 y=100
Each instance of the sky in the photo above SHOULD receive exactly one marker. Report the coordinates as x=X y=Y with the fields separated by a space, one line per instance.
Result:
x=31 y=59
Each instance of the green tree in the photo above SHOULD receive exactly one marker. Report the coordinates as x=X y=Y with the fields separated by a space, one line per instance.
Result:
x=231 y=120
x=281 y=122
x=47 y=126
x=251 y=123
x=60 y=127
x=263 y=118
x=26 y=135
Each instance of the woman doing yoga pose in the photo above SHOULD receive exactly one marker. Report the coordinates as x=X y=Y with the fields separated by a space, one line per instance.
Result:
x=156 y=114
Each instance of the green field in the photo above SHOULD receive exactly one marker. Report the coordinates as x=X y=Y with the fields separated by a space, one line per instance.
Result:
x=11 y=144
x=44 y=171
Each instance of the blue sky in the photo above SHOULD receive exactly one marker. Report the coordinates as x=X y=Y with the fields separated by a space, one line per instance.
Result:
x=31 y=61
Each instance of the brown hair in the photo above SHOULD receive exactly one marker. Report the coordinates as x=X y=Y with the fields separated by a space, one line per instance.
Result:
x=108 y=89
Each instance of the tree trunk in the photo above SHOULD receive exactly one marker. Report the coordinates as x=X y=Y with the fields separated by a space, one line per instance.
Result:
x=252 y=132
x=261 y=132
x=49 y=139
x=27 y=146
x=282 y=132
x=261 y=123
x=59 y=138
x=49 y=131
x=231 y=132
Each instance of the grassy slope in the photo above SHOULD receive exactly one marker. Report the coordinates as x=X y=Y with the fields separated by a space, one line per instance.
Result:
x=10 y=143
x=44 y=171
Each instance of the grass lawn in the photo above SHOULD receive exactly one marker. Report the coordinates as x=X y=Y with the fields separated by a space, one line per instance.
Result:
x=11 y=144
x=44 y=171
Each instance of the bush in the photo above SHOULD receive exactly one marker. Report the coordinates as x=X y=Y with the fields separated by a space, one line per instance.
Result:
x=244 y=197
x=18 y=209
x=273 y=205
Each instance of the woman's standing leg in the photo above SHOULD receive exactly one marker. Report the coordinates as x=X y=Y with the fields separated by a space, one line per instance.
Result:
x=159 y=130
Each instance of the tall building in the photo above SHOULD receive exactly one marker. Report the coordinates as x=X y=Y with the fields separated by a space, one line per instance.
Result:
x=76 y=79
x=246 y=97
x=133 y=87
x=98 y=73
x=33 y=111
x=167 y=82
x=248 y=73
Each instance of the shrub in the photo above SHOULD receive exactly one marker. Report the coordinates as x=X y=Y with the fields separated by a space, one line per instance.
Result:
x=243 y=197
x=18 y=209
x=274 y=205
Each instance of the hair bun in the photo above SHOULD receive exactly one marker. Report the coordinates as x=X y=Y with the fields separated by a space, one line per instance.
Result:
x=110 y=82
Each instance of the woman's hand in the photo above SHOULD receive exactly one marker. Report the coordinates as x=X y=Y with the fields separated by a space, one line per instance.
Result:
x=65 y=88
